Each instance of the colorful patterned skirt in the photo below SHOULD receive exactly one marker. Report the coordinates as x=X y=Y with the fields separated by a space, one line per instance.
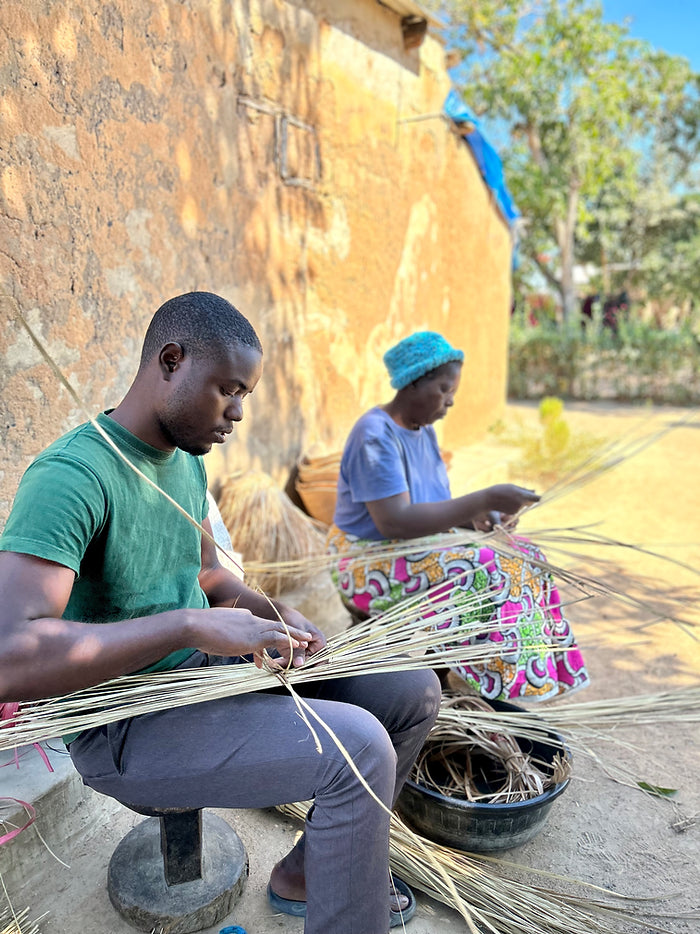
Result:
x=505 y=599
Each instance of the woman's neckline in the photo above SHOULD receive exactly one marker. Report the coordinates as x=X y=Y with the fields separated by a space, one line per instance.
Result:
x=387 y=411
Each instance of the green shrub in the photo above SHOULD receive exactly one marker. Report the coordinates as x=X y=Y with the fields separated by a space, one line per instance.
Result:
x=639 y=363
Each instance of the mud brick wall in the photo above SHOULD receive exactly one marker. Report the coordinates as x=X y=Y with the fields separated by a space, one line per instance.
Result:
x=267 y=151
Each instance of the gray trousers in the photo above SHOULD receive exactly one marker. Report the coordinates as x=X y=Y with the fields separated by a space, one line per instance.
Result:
x=255 y=751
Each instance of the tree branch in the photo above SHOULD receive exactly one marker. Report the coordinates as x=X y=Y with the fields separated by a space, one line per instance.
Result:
x=535 y=144
x=547 y=273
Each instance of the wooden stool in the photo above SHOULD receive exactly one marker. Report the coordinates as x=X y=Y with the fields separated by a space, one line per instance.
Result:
x=180 y=870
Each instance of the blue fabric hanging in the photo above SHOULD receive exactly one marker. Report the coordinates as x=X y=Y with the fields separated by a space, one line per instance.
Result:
x=486 y=157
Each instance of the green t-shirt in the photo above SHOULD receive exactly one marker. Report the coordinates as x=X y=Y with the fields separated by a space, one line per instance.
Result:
x=133 y=553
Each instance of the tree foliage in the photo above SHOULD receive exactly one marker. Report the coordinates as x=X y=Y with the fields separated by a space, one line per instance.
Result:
x=602 y=131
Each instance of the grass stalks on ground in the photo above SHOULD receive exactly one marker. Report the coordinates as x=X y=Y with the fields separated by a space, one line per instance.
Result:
x=492 y=893
x=17 y=923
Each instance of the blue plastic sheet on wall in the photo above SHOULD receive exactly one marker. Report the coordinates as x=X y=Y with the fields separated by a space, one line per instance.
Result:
x=486 y=157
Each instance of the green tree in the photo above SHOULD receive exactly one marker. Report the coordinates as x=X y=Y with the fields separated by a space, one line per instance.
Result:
x=644 y=231
x=646 y=241
x=587 y=110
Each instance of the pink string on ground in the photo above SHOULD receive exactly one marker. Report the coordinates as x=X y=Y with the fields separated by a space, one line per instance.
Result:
x=18 y=830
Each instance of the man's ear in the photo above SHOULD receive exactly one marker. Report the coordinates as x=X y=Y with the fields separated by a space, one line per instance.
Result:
x=170 y=358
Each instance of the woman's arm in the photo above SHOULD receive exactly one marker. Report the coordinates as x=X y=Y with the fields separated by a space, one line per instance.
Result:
x=397 y=517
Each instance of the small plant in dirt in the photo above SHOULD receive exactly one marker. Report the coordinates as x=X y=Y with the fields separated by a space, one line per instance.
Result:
x=551 y=451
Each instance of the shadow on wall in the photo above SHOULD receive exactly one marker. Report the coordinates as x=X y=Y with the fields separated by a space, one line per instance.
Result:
x=139 y=171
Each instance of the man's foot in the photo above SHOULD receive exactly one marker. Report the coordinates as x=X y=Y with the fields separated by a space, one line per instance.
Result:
x=287 y=877
x=288 y=882
x=398 y=901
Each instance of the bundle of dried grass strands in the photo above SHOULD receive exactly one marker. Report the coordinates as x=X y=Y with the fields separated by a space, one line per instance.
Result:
x=479 y=763
x=676 y=608
x=491 y=896
x=371 y=646
x=366 y=647
x=17 y=922
x=268 y=530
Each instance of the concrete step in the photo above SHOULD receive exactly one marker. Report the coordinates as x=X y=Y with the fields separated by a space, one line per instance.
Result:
x=67 y=813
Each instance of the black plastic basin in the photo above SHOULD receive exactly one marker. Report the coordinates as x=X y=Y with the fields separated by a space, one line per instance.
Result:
x=476 y=826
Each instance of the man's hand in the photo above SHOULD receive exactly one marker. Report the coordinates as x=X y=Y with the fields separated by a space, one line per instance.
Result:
x=229 y=631
x=294 y=618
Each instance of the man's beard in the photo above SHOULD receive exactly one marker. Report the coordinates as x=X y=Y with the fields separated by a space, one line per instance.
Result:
x=176 y=438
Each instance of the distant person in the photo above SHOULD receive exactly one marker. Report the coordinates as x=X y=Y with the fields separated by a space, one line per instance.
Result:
x=587 y=306
x=393 y=487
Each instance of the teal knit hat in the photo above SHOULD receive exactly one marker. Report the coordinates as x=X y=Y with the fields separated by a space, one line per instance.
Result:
x=417 y=355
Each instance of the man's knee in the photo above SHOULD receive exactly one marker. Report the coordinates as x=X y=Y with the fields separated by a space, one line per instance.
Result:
x=429 y=686
x=422 y=694
x=369 y=745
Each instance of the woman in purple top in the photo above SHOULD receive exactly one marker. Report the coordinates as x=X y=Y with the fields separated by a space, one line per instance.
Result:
x=393 y=486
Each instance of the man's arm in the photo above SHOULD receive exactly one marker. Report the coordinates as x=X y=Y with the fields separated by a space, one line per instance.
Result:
x=225 y=589
x=42 y=655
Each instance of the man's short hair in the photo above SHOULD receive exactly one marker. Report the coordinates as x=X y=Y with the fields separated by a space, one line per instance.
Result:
x=202 y=323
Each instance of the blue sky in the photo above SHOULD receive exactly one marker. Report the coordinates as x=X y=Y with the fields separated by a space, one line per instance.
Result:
x=671 y=25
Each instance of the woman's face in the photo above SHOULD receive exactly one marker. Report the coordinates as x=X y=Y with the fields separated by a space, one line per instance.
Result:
x=432 y=395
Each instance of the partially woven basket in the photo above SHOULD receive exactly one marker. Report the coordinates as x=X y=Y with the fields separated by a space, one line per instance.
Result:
x=317 y=484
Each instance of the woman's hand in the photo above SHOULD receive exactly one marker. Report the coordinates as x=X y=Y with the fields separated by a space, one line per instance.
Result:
x=493 y=520
x=509 y=499
x=397 y=517
x=508 y=522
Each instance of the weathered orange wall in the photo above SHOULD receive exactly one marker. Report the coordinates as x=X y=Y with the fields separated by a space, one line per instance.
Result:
x=138 y=160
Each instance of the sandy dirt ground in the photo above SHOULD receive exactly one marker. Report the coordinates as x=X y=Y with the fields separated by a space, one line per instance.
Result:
x=600 y=831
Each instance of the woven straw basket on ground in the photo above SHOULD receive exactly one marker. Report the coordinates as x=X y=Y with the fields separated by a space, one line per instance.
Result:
x=316 y=484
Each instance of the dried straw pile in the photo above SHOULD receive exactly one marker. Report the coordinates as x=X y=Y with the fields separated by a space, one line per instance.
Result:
x=267 y=528
x=481 y=764
x=17 y=923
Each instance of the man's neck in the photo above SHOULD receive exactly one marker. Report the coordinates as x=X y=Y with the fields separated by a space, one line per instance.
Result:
x=134 y=414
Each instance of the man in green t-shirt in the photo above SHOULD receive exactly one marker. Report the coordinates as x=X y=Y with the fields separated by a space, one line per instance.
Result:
x=100 y=576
